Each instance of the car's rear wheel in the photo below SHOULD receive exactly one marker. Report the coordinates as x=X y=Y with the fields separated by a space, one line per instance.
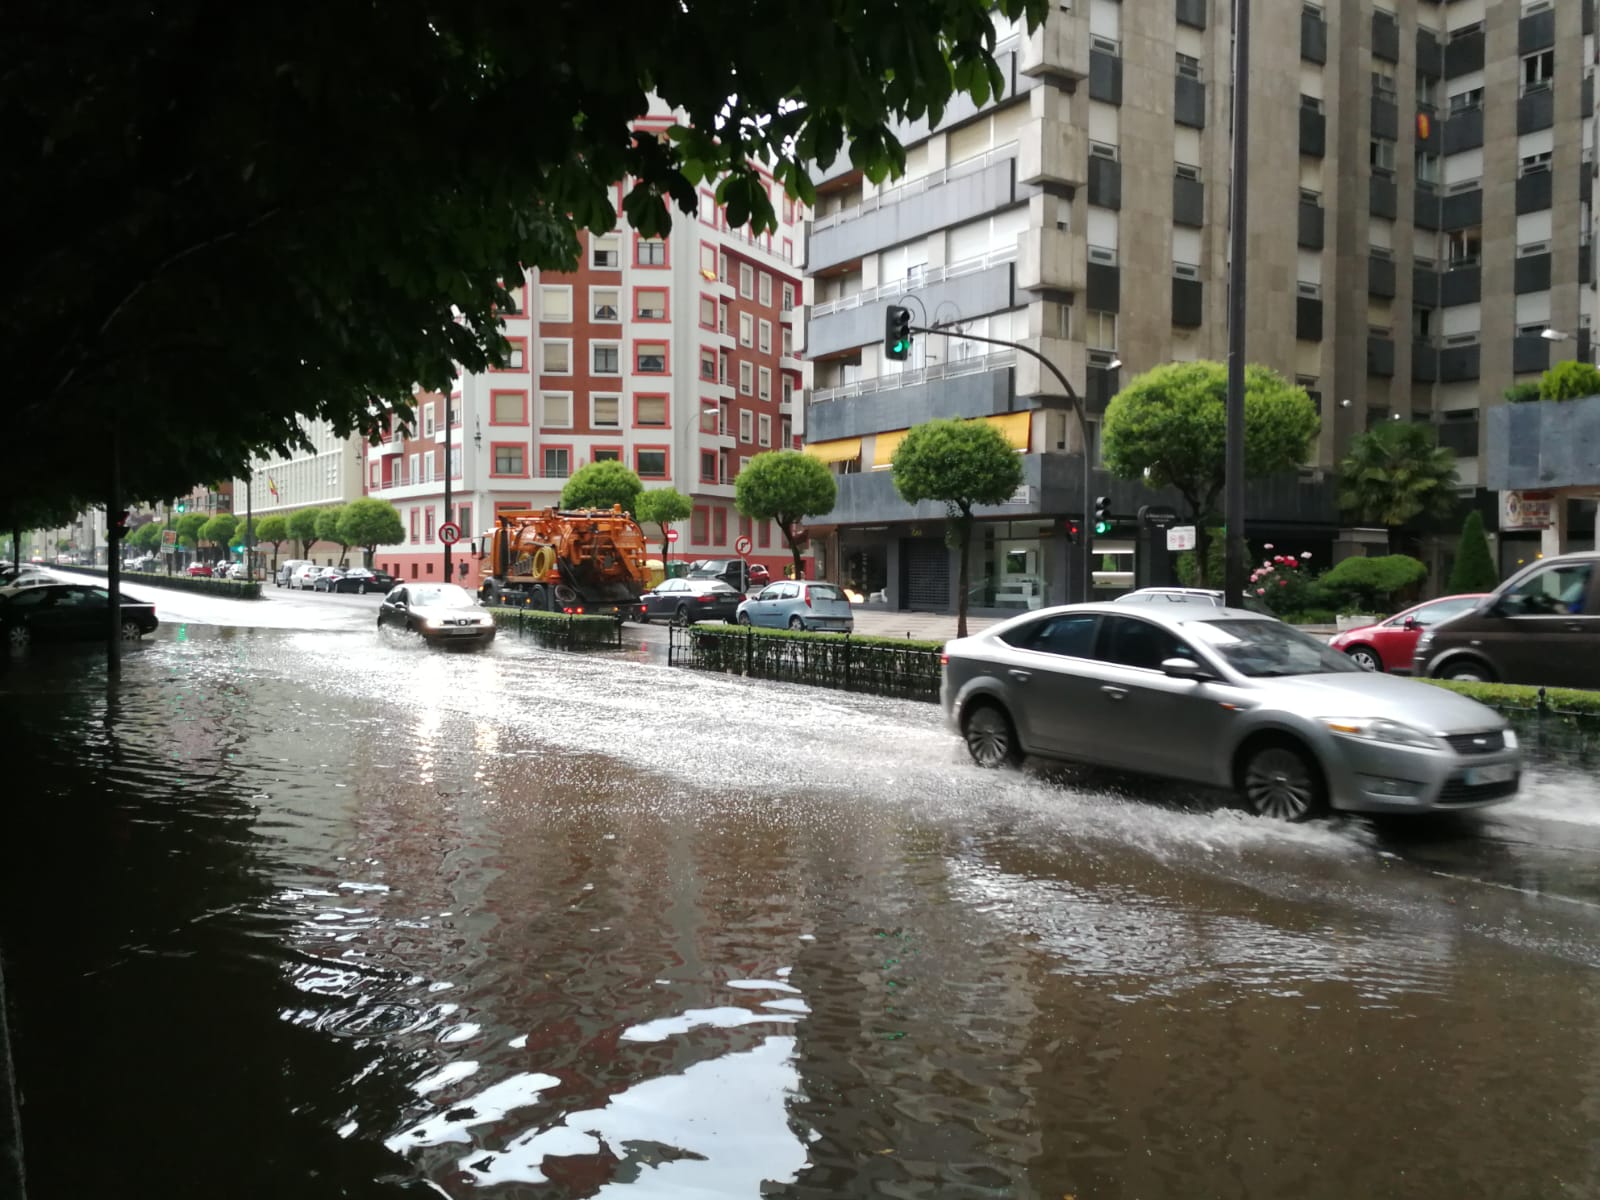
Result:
x=991 y=739
x=131 y=631
x=361 y=589
x=19 y=637
x=1466 y=670
x=1365 y=657
x=796 y=623
x=1279 y=780
x=681 y=617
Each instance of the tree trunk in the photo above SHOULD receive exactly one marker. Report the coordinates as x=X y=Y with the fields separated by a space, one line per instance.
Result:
x=963 y=527
x=16 y=546
x=794 y=549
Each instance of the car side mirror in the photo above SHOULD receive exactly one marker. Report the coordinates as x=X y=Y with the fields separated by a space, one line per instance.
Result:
x=1411 y=623
x=1185 y=668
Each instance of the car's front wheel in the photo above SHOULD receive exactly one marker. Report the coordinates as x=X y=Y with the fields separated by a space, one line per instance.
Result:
x=1365 y=657
x=1281 y=781
x=131 y=631
x=1466 y=670
x=744 y=619
x=990 y=737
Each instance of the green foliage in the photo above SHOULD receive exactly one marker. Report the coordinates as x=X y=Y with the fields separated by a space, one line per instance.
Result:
x=303 y=528
x=1570 y=381
x=785 y=486
x=1372 y=582
x=236 y=589
x=1509 y=697
x=146 y=537
x=1285 y=583
x=190 y=527
x=370 y=523
x=1522 y=393
x=262 y=227
x=601 y=485
x=559 y=630
x=1172 y=423
x=1474 y=569
x=328 y=527
x=272 y=531
x=1187 y=564
x=1395 y=473
x=664 y=507
x=219 y=530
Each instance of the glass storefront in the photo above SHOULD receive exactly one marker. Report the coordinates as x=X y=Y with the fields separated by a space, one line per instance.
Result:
x=864 y=564
x=1013 y=566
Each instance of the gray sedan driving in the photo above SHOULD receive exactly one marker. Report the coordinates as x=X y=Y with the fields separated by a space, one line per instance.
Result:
x=1225 y=698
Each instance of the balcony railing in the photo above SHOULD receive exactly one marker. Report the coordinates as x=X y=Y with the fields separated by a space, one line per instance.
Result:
x=966 y=266
x=975 y=365
x=913 y=187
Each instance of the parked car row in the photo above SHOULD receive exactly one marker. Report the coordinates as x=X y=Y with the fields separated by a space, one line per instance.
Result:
x=301 y=575
x=792 y=604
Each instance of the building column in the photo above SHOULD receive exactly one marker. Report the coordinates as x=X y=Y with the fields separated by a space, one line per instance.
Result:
x=1062 y=553
x=891 y=569
x=1553 y=541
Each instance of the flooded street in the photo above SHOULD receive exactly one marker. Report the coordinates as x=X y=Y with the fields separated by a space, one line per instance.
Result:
x=307 y=912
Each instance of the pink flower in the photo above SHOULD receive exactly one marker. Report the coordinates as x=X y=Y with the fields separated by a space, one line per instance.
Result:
x=1283 y=583
x=1261 y=591
x=1269 y=546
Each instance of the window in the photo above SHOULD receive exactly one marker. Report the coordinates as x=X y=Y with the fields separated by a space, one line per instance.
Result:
x=788 y=297
x=764 y=342
x=1105 y=45
x=745 y=380
x=556 y=462
x=708 y=208
x=788 y=211
x=785 y=439
x=650 y=412
x=1188 y=66
x=607 y=454
x=1537 y=71
x=605 y=412
x=650 y=462
x=464 y=519
x=1101 y=331
x=708 y=466
x=764 y=430
x=1467 y=100
x=1427 y=168
x=605 y=358
x=516 y=294
x=719 y=526
x=1105 y=255
x=1555 y=591
x=746 y=328
x=416 y=520
x=1427 y=91
x=787 y=342
x=764 y=292
x=708 y=363
x=1187 y=171
x=1534 y=164
x=708 y=416
x=427 y=467
x=555 y=304
x=764 y=534
x=1383 y=86
x=708 y=262
x=555 y=358
x=414 y=468
x=427 y=524
x=745 y=426
x=557 y=410
x=509 y=460
x=650 y=252
x=650 y=358
x=517 y=355
x=708 y=312
x=1071 y=636
x=1381 y=156
x=428 y=426
x=604 y=253
x=455 y=462
x=697 y=526
x=603 y=304
x=764 y=381
x=1465 y=246
x=1130 y=642
x=788 y=249
x=747 y=281
x=722 y=266
x=650 y=304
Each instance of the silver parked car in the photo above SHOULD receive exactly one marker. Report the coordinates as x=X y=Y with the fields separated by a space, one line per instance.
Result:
x=1225 y=698
x=799 y=604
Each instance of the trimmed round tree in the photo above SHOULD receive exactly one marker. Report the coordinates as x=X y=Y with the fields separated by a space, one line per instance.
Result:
x=663 y=507
x=601 y=485
x=1474 y=569
x=303 y=528
x=370 y=523
x=219 y=531
x=328 y=528
x=1570 y=381
x=785 y=486
x=188 y=527
x=961 y=464
x=272 y=531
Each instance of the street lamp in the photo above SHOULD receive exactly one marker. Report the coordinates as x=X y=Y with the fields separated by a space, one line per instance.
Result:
x=1554 y=335
x=1114 y=365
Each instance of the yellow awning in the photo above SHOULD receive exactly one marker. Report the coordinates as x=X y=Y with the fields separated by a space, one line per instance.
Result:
x=837 y=451
x=885 y=444
x=1014 y=427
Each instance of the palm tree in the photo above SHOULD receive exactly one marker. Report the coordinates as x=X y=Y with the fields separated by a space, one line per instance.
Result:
x=1395 y=473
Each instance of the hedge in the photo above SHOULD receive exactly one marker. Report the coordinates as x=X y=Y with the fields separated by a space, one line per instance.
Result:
x=877 y=665
x=237 y=589
x=811 y=636
x=560 y=631
x=1509 y=696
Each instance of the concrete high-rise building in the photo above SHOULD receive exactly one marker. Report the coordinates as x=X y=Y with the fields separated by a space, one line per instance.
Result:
x=1419 y=240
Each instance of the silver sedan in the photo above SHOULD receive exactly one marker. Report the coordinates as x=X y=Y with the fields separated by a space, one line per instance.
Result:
x=1224 y=698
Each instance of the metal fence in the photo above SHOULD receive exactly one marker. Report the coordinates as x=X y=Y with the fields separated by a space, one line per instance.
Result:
x=872 y=665
x=1550 y=735
x=559 y=631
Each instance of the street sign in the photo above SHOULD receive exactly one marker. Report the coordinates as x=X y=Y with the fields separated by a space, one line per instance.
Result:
x=672 y=535
x=1160 y=516
x=1526 y=510
x=169 y=541
x=1180 y=537
x=449 y=533
x=742 y=546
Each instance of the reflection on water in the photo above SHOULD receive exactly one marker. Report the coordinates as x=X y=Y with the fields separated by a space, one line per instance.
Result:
x=317 y=916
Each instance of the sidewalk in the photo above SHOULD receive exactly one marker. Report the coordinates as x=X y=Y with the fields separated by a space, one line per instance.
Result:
x=932 y=627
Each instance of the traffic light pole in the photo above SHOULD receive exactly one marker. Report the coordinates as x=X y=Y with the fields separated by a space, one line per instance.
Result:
x=448 y=435
x=1083 y=589
x=1233 y=579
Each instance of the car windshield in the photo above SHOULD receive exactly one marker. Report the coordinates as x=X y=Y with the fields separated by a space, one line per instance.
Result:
x=442 y=595
x=1267 y=648
x=825 y=591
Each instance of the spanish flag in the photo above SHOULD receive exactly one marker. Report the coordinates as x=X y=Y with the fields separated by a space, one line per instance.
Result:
x=272 y=484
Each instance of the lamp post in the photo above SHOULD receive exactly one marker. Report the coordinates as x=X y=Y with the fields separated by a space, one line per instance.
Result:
x=448 y=516
x=1239 y=209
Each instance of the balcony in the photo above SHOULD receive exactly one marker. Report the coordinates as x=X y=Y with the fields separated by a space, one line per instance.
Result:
x=720 y=337
x=979 y=385
x=790 y=315
x=1052 y=52
x=976 y=286
x=1034 y=379
x=718 y=386
x=1052 y=152
x=1050 y=260
x=790 y=360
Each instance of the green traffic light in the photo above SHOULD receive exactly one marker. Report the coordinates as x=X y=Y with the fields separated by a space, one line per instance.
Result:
x=1102 y=526
x=902 y=347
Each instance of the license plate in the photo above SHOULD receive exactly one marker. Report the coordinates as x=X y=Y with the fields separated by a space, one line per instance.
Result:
x=1494 y=773
x=469 y=631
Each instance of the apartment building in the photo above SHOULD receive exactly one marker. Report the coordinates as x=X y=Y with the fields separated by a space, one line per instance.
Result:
x=678 y=356
x=1419 y=217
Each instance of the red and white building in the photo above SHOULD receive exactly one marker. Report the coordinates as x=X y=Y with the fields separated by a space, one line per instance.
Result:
x=679 y=357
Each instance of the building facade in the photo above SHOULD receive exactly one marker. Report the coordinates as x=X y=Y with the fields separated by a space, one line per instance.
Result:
x=1420 y=216
x=677 y=356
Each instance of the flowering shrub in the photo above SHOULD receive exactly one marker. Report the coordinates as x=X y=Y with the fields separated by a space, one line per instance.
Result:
x=1286 y=583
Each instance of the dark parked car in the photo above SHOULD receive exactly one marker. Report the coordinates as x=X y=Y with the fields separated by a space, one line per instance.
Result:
x=69 y=612
x=685 y=601
x=328 y=580
x=1540 y=627
x=362 y=580
x=439 y=612
x=734 y=572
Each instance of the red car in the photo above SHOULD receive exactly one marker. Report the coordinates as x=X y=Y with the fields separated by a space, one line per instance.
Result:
x=199 y=569
x=1390 y=645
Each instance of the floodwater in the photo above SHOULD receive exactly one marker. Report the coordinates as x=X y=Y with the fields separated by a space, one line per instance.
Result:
x=310 y=912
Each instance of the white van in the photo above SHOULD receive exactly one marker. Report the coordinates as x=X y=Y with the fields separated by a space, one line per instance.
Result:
x=287 y=568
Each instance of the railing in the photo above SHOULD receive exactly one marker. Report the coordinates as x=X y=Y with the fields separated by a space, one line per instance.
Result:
x=975 y=365
x=877 y=666
x=898 y=287
x=914 y=187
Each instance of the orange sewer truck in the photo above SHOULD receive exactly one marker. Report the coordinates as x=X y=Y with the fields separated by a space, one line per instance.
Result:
x=590 y=561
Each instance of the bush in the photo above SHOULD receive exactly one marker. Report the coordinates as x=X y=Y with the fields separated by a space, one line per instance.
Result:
x=1474 y=569
x=1569 y=381
x=1371 y=583
x=876 y=665
x=1285 y=584
x=1510 y=697
x=1522 y=393
x=236 y=589
x=560 y=630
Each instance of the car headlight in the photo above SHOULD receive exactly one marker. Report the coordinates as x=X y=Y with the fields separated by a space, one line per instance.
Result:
x=432 y=622
x=1511 y=738
x=1379 y=729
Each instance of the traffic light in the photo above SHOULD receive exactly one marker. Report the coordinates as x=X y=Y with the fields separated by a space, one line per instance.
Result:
x=119 y=523
x=896 y=333
x=1102 y=514
x=181 y=506
x=1072 y=531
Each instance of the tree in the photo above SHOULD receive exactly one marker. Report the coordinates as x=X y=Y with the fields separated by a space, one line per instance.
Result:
x=217 y=238
x=189 y=529
x=1522 y=393
x=370 y=523
x=219 y=531
x=328 y=528
x=1168 y=427
x=1395 y=473
x=1570 y=381
x=961 y=464
x=600 y=485
x=146 y=537
x=785 y=486
x=1371 y=582
x=303 y=528
x=272 y=531
x=663 y=507
x=1474 y=569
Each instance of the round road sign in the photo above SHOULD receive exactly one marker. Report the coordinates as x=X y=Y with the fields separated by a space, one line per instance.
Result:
x=742 y=546
x=672 y=535
x=449 y=533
